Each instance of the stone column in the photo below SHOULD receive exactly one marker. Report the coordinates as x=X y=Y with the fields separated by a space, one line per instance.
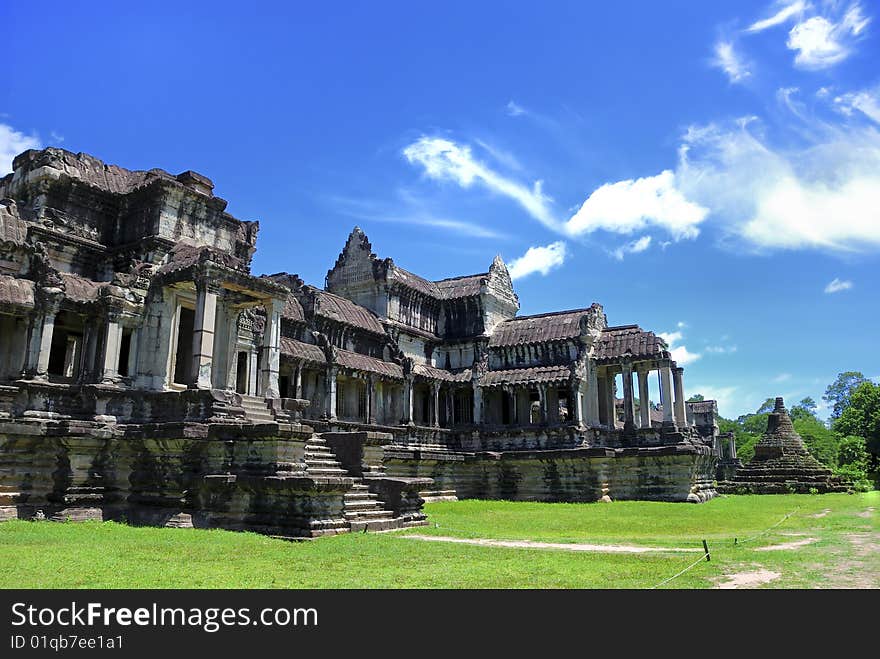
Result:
x=408 y=401
x=542 y=396
x=478 y=404
x=271 y=346
x=133 y=349
x=514 y=416
x=40 y=342
x=371 y=400
x=298 y=381
x=629 y=423
x=231 y=348
x=644 y=400
x=731 y=447
x=678 y=385
x=112 y=345
x=435 y=399
x=552 y=404
x=593 y=398
x=610 y=410
x=330 y=392
x=666 y=395
x=576 y=404
x=203 y=335
x=252 y=373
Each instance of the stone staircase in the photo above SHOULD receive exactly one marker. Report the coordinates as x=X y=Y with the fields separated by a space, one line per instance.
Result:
x=364 y=511
x=433 y=496
x=320 y=460
x=256 y=409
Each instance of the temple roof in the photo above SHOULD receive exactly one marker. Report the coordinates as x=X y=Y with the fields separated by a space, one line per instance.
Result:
x=14 y=290
x=303 y=351
x=435 y=373
x=458 y=287
x=629 y=341
x=80 y=289
x=557 y=326
x=345 y=311
x=359 y=362
x=292 y=309
x=184 y=256
x=534 y=374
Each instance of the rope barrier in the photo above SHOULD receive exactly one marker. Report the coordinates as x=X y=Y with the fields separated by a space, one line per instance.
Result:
x=735 y=542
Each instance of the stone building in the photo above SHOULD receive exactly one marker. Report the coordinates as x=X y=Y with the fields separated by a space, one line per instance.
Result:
x=145 y=371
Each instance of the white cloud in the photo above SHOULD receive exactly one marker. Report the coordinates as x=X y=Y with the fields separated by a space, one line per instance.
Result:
x=823 y=41
x=836 y=285
x=538 y=259
x=679 y=353
x=782 y=377
x=514 y=109
x=787 y=10
x=729 y=61
x=721 y=350
x=729 y=404
x=12 y=143
x=443 y=159
x=825 y=195
x=634 y=247
x=866 y=101
x=633 y=205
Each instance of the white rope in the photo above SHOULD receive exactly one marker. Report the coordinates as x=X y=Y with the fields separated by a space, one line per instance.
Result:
x=675 y=576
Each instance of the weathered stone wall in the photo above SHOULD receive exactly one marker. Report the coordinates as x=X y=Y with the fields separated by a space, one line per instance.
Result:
x=576 y=475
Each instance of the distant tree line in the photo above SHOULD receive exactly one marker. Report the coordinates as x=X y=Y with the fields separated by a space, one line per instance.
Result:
x=848 y=443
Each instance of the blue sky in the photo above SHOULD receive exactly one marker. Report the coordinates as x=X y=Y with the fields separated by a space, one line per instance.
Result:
x=710 y=171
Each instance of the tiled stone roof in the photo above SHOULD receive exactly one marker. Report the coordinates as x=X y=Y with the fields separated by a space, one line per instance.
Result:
x=16 y=291
x=292 y=309
x=301 y=350
x=345 y=311
x=435 y=373
x=535 y=374
x=632 y=341
x=416 y=283
x=80 y=289
x=457 y=287
x=184 y=256
x=359 y=362
x=538 y=329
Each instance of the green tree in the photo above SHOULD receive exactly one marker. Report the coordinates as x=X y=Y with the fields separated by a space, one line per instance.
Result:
x=822 y=443
x=696 y=398
x=854 y=461
x=838 y=393
x=861 y=417
x=767 y=406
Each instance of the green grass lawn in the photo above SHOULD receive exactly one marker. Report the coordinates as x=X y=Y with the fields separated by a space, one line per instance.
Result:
x=845 y=553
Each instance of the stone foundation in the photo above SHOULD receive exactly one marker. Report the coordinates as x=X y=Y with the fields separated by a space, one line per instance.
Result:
x=669 y=473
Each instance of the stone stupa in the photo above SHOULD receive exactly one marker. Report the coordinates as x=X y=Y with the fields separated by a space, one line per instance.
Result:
x=782 y=464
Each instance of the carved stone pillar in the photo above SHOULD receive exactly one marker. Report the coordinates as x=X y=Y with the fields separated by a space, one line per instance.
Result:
x=593 y=398
x=644 y=401
x=478 y=404
x=629 y=423
x=678 y=386
x=203 y=335
x=40 y=339
x=666 y=395
x=112 y=346
x=610 y=409
x=330 y=392
x=435 y=407
x=271 y=346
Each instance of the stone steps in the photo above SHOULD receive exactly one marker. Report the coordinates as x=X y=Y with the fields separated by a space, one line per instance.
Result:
x=433 y=496
x=256 y=410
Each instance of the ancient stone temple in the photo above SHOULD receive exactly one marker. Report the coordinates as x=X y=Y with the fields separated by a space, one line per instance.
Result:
x=145 y=372
x=782 y=464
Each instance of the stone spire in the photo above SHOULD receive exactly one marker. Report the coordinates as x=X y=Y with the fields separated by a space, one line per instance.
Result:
x=782 y=463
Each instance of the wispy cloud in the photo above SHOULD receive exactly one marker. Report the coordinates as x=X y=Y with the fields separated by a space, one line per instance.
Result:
x=409 y=209
x=824 y=195
x=538 y=259
x=786 y=11
x=836 y=285
x=825 y=40
x=782 y=377
x=731 y=62
x=513 y=109
x=13 y=142
x=679 y=352
x=634 y=247
x=444 y=160
x=866 y=101
x=721 y=349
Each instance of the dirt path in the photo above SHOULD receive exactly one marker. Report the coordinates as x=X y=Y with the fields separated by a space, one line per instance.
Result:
x=748 y=579
x=794 y=544
x=565 y=546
